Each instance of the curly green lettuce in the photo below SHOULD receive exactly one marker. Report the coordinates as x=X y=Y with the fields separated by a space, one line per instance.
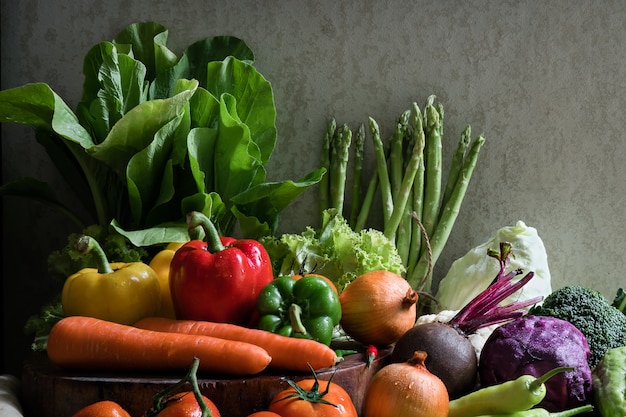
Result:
x=335 y=251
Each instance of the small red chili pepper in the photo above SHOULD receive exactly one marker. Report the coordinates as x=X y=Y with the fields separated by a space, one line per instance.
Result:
x=372 y=353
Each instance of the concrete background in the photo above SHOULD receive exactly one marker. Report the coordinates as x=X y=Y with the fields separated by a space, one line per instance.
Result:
x=544 y=80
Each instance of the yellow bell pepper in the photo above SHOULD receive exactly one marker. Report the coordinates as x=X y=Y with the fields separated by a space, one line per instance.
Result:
x=161 y=265
x=118 y=292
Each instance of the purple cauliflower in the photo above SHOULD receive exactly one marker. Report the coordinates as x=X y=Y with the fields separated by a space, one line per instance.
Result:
x=534 y=345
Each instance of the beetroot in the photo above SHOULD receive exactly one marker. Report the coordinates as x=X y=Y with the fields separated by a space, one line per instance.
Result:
x=459 y=375
x=533 y=345
x=451 y=355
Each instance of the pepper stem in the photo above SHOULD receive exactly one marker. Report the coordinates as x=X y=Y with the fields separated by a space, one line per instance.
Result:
x=536 y=383
x=295 y=316
x=86 y=244
x=195 y=219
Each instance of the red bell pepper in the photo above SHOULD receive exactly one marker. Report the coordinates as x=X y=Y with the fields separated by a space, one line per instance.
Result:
x=218 y=279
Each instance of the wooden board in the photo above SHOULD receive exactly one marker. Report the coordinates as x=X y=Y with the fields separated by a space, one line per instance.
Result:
x=48 y=391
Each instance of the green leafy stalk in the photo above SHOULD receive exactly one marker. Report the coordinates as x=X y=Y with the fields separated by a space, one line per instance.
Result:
x=382 y=171
x=418 y=191
x=405 y=228
x=433 y=166
x=420 y=277
x=340 y=153
x=457 y=163
x=366 y=205
x=357 y=173
x=396 y=159
x=324 y=184
x=404 y=192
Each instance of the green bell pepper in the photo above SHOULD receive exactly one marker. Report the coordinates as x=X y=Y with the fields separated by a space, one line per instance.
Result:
x=307 y=308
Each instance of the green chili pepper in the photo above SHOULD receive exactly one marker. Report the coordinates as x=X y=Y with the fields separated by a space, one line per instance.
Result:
x=609 y=383
x=306 y=308
x=541 y=412
x=513 y=396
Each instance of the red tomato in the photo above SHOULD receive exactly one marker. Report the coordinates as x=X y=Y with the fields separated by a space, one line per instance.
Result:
x=184 y=404
x=264 y=414
x=102 y=409
x=301 y=405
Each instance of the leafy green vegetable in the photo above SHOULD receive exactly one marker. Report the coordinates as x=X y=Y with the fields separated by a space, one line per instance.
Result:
x=156 y=136
x=40 y=325
x=335 y=251
x=474 y=271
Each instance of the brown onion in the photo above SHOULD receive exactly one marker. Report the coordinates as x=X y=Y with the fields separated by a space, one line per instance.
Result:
x=377 y=308
x=406 y=389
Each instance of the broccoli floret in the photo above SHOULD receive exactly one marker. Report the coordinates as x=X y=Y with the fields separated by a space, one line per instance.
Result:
x=603 y=325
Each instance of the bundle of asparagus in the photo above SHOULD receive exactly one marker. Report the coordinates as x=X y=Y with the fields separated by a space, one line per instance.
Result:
x=418 y=209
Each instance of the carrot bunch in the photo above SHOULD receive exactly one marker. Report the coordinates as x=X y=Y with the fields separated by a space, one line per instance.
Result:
x=159 y=344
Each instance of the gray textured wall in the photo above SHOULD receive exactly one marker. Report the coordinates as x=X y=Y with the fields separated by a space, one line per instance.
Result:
x=544 y=80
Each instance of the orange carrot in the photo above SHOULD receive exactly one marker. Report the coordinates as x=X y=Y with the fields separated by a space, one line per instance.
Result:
x=287 y=353
x=86 y=343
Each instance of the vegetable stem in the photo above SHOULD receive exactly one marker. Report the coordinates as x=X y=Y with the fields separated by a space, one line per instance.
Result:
x=212 y=237
x=324 y=184
x=87 y=244
x=457 y=163
x=339 y=154
x=192 y=378
x=366 y=206
x=536 y=383
x=357 y=173
x=396 y=163
x=404 y=191
x=102 y=215
x=432 y=162
x=418 y=193
x=381 y=168
x=295 y=317
x=420 y=277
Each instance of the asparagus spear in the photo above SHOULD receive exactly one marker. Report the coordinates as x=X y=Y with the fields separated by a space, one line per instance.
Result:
x=381 y=168
x=366 y=206
x=457 y=163
x=403 y=193
x=396 y=160
x=433 y=167
x=418 y=192
x=421 y=278
x=405 y=228
x=357 y=172
x=324 y=184
x=339 y=155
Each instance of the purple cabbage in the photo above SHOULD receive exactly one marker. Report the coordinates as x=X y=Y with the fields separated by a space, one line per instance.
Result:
x=533 y=345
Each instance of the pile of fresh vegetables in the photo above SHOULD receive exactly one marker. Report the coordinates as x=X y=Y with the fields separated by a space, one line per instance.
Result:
x=169 y=153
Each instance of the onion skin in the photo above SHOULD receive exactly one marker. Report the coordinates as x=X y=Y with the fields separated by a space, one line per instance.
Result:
x=378 y=307
x=406 y=389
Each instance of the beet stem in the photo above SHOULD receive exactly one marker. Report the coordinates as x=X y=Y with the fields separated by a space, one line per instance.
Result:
x=484 y=310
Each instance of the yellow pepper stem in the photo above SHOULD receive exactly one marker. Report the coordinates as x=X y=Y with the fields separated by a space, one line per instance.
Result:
x=87 y=244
